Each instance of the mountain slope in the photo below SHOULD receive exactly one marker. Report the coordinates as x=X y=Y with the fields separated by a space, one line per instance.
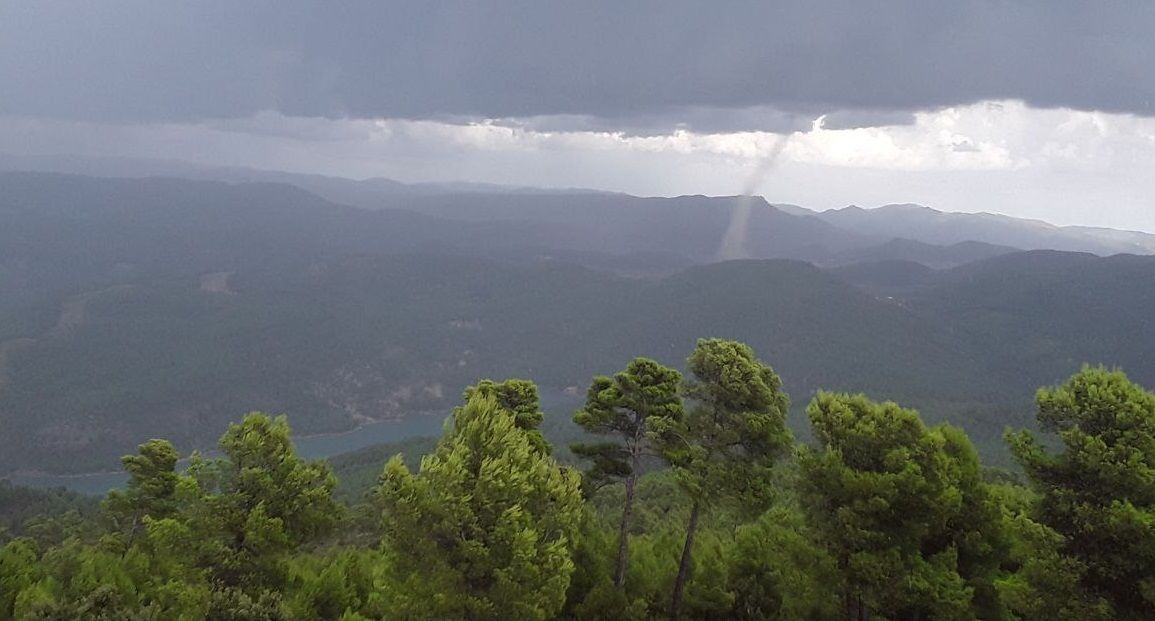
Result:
x=1041 y=314
x=158 y=307
x=369 y=337
x=888 y=278
x=380 y=337
x=929 y=255
x=935 y=227
x=694 y=225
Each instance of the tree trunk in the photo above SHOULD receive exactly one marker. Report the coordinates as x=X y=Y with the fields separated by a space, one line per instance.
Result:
x=855 y=606
x=624 y=530
x=684 y=565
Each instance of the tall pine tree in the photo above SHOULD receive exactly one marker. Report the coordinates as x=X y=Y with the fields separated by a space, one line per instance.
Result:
x=1098 y=491
x=485 y=529
x=624 y=407
x=729 y=440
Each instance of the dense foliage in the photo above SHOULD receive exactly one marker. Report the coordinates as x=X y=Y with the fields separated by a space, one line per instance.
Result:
x=24 y=508
x=486 y=529
x=879 y=517
x=1098 y=493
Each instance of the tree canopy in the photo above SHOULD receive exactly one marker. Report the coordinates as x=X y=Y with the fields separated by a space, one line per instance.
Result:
x=1097 y=492
x=486 y=528
x=879 y=516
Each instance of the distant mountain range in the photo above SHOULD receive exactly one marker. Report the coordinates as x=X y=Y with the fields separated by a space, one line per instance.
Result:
x=935 y=227
x=858 y=227
x=140 y=307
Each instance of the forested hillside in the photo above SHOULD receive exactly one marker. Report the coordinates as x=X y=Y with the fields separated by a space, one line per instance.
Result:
x=688 y=499
x=133 y=309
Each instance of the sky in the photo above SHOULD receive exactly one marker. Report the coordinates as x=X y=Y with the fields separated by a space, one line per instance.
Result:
x=1042 y=109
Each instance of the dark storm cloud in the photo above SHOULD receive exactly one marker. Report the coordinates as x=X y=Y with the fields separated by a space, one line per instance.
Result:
x=144 y=60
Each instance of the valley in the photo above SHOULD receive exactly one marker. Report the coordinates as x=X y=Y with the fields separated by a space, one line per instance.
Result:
x=203 y=305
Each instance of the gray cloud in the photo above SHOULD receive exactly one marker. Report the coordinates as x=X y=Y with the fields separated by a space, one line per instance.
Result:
x=696 y=118
x=665 y=61
x=850 y=119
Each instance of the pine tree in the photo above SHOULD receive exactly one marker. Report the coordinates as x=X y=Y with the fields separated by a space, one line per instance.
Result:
x=260 y=502
x=486 y=529
x=903 y=511
x=1098 y=492
x=624 y=407
x=730 y=438
x=520 y=399
x=151 y=488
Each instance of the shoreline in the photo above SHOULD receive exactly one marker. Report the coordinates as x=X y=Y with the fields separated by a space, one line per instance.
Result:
x=41 y=474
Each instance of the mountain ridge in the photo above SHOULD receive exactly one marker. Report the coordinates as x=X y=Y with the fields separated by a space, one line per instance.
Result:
x=930 y=225
x=378 y=192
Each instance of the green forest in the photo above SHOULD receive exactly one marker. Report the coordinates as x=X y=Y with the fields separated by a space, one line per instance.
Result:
x=688 y=498
x=166 y=308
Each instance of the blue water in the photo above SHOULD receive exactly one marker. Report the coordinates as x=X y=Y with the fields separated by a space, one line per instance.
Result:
x=309 y=447
x=327 y=445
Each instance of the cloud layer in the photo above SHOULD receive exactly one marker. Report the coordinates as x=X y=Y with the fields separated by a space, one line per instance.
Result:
x=635 y=63
x=1039 y=108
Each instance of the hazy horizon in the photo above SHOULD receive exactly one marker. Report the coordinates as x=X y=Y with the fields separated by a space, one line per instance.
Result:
x=123 y=167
